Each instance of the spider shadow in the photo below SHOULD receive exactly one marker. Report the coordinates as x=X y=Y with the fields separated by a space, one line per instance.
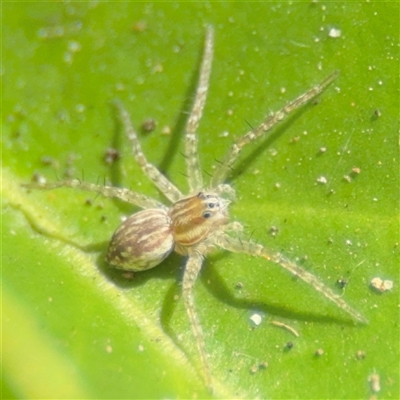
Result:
x=181 y=119
x=179 y=129
x=217 y=286
x=172 y=269
x=176 y=135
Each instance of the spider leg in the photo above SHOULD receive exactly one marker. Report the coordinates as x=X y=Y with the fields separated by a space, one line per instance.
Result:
x=126 y=195
x=163 y=184
x=192 y=270
x=238 y=246
x=224 y=167
x=195 y=178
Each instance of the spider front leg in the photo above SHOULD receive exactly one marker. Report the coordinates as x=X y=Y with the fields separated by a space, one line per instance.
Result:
x=126 y=195
x=225 y=166
x=195 y=178
x=190 y=274
x=238 y=246
x=163 y=184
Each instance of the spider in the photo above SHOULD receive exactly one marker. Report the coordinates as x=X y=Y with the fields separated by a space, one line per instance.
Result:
x=193 y=225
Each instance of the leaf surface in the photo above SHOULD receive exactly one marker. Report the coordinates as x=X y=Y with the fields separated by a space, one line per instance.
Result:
x=73 y=328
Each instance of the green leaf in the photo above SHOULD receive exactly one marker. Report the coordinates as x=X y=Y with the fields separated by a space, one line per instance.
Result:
x=74 y=328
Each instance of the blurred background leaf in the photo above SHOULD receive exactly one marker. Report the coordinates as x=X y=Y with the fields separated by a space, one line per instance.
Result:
x=72 y=328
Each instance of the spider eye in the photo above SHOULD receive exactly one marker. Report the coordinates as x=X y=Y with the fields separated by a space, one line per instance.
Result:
x=207 y=214
x=212 y=205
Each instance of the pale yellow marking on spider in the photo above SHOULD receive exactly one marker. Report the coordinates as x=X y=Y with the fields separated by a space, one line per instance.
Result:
x=195 y=224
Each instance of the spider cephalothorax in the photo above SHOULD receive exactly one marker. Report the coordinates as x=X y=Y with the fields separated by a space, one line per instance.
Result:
x=193 y=224
x=194 y=218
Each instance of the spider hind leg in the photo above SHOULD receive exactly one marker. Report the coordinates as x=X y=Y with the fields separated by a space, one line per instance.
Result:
x=191 y=272
x=254 y=249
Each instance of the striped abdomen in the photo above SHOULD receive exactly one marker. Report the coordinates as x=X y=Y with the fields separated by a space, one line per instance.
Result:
x=142 y=241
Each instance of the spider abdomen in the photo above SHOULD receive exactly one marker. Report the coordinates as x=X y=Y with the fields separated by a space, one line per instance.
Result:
x=142 y=241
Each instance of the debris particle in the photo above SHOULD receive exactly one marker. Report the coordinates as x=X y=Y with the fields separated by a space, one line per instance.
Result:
x=254 y=368
x=139 y=26
x=295 y=139
x=263 y=365
x=289 y=345
x=347 y=178
x=319 y=352
x=273 y=231
x=322 y=180
x=287 y=327
x=257 y=367
x=239 y=285
x=80 y=108
x=149 y=125
x=360 y=355
x=304 y=258
x=48 y=160
x=166 y=130
x=341 y=283
x=109 y=349
x=375 y=381
x=381 y=285
x=377 y=114
x=334 y=33
x=353 y=173
x=74 y=46
x=256 y=318
x=273 y=152
x=158 y=68
x=38 y=178
x=111 y=156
